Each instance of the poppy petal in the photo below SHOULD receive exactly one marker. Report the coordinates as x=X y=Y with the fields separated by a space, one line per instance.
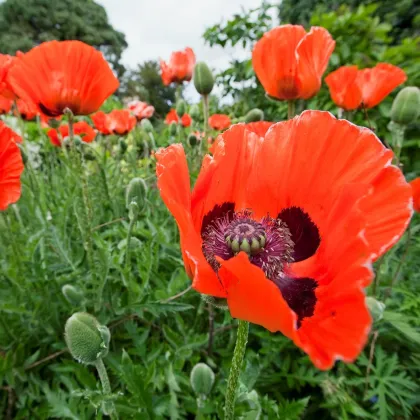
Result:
x=415 y=186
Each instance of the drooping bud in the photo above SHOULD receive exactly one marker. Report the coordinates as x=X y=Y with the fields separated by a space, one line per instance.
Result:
x=86 y=339
x=172 y=128
x=147 y=125
x=133 y=211
x=203 y=78
x=192 y=139
x=73 y=295
x=181 y=108
x=195 y=112
x=376 y=308
x=136 y=192
x=202 y=379
x=406 y=106
x=254 y=115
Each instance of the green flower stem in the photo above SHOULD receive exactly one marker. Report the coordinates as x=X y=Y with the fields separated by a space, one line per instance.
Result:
x=206 y=121
x=235 y=369
x=127 y=253
x=291 y=109
x=397 y=131
x=106 y=386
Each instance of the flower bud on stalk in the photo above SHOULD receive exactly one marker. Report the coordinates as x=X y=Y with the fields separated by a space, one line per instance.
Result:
x=192 y=139
x=202 y=379
x=195 y=112
x=406 y=106
x=136 y=192
x=376 y=308
x=172 y=128
x=73 y=295
x=203 y=79
x=147 y=126
x=254 y=115
x=181 y=108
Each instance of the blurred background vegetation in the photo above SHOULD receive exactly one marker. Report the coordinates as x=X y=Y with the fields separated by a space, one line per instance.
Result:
x=158 y=336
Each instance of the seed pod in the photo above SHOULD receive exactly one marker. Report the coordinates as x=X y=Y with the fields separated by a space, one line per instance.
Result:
x=406 y=106
x=147 y=125
x=136 y=192
x=73 y=295
x=195 y=112
x=86 y=339
x=172 y=128
x=203 y=78
x=181 y=108
x=376 y=308
x=254 y=115
x=202 y=379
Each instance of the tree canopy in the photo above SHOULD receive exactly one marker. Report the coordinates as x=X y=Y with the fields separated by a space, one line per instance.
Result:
x=26 y=23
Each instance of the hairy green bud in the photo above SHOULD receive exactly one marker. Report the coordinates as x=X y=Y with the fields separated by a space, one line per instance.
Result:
x=192 y=139
x=406 y=106
x=147 y=126
x=86 y=339
x=136 y=192
x=376 y=308
x=172 y=128
x=254 y=115
x=73 y=295
x=202 y=379
x=181 y=108
x=203 y=78
x=195 y=112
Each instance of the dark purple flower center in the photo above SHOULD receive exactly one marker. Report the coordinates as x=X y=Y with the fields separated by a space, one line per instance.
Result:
x=270 y=243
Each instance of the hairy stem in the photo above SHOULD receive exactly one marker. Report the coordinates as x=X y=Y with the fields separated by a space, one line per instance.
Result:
x=106 y=388
x=291 y=109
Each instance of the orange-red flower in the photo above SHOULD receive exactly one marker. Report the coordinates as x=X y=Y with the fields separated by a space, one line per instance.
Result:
x=80 y=128
x=285 y=227
x=219 y=121
x=172 y=116
x=6 y=62
x=118 y=121
x=289 y=62
x=11 y=167
x=351 y=88
x=141 y=110
x=259 y=127
x=186 y=120
x=63 y=74
x=179 y=68
x=5 y=105
x=26 y=110
x=415 y=185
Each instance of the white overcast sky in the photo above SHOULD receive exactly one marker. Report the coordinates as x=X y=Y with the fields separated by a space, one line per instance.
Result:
x=155 y=28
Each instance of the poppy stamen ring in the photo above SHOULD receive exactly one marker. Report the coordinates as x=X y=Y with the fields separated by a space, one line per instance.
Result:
x=246 y=235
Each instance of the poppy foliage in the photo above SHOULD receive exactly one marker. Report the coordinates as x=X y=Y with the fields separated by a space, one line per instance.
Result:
x=11 y=167
x=290 y=250
x=289 y=62
x=56 y=75
x=179 y=68
x=351 y=88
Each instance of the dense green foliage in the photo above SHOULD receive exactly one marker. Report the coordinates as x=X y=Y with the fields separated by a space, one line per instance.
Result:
x=26 y=23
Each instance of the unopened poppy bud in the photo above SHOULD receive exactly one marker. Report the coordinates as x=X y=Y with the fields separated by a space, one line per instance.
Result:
x=202 y=379
x=147 y=125
x=192 y=139
x=136 y=192
x=219 y=303
x=73 y=295
x=123 y=146
x=195 y=112
x=406 y=106
x=203 y=78
x=77 y=140
x=376 y=308
x=86 y=339
x=181 y=108
x=133 y=210
x=88 y=155
x=53 y=123
x=254 y=115
x=172 y=128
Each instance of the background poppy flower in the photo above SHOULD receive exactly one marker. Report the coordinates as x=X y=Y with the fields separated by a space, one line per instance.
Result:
x=415 y=185
x=186 y=120
x=26 y=110
x=141 y=110
x=11 y=167
x=80 y=128
x=289 y=62
x=171 y=116
x=351 y=88
x=100 y=121
x=63 y=74
x=179 y=68
x=219 y=122
x=290 y=251
x=118 y=121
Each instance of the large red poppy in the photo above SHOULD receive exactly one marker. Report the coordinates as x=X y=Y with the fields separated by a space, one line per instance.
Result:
x=11 y=167
x=351 y=88
x=141 y=110
x=63 y=74
x=219 y=121
x=285 y=226
x=80 y=128
x=118 y=121
x=289 y=62
x=179 y=68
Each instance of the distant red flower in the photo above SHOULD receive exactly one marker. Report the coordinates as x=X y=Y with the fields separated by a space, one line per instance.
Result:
x=415 y=185
x=286 y=233
x=351 y=88
x=179 y=68
x=5 y=105
x=141 y=109
x=26 y=110
x=11 y=167
x=118 y=121
x=186 y=120
x=219 y=121
x=171 y=117
x=56 y=75
x=289 y=62
x=80 y=128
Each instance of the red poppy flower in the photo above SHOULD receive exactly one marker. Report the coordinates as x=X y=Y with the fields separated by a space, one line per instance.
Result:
x=180 y=67
x=186 y=120
x=26 y=110
x=351 y=88
x=80 y=128
x=259 y=127
x=118 y=121
x=5 y=105
x=63 y=74
x=415 y=185
x=289 y=62
x=11 y=167
x=141 y=110
x=6 y=62
x=219 y=121
x=290 y=249
x=171 y=117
